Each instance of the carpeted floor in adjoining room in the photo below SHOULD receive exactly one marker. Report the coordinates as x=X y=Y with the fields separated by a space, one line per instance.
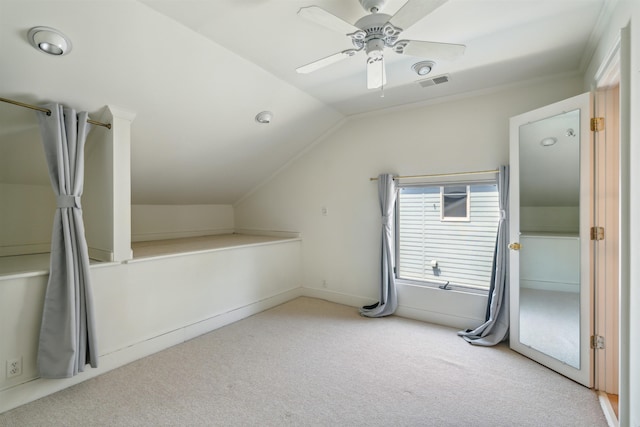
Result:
x=315 y=363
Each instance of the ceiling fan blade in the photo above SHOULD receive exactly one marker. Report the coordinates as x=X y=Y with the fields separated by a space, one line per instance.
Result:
x=376 y=75
x=413 y=11
x=320 y=16
x=431 y=50
x=320 y=63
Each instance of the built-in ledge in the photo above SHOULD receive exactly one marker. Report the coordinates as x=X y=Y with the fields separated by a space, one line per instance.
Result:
x=191 y=245
x=12 y=267
x=15 y=266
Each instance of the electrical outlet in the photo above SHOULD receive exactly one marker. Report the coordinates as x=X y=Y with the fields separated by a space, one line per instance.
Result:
x=14 y=367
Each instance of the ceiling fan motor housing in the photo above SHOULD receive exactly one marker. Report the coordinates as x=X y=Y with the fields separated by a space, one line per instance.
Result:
x=375 y=27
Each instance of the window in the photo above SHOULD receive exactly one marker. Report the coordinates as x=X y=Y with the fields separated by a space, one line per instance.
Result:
x=447 y=234
x=455 y=203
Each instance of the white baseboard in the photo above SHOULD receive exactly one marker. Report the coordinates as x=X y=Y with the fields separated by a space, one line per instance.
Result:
x=459 y=322
x=37 y=388
x=102 y=255
x=166 y=235
x=27 y=249
x=231 y=316
x=436 y=318
x=270 y=233
x=607 y=409
x=337 y=297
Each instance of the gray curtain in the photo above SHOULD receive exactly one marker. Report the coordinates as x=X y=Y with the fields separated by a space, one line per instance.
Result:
x=495 y=329
x=388 y=193
x=67 y=334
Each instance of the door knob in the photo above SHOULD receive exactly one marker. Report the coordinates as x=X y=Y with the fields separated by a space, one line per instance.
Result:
x=514 y=246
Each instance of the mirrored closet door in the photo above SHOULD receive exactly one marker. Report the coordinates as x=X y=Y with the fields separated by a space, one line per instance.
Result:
x=549 y=207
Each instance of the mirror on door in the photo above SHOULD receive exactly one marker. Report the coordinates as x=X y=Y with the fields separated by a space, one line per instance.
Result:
x=549 y=158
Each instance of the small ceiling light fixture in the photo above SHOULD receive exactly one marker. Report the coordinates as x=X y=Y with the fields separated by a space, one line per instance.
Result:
x=264 y=117
x=548 y=142
x=49 y=40
x=423 y=68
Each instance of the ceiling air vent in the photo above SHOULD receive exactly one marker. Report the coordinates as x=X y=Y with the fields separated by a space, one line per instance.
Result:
x=434 y=80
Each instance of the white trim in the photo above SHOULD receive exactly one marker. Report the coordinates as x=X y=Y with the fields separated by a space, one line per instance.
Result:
x=462 y=96
x=167 y=235
x=102 y=255
x=436 y=318
x=35 y=389
x=269 y=233
x=337 y=297
x=609 y=72
x=439 y=318
x=607 y=409
x=26 y=249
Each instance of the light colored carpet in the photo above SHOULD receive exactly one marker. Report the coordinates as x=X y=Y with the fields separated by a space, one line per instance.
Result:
x=314 y=363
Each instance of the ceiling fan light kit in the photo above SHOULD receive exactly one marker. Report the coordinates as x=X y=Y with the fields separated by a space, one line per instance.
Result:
x=377 y=31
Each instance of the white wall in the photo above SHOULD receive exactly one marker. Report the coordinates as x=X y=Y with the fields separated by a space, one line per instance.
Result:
x=26 y=217
x=341 y=249
x=27 y=202
x=143 y=306
x=156 y=222
x=97 y=199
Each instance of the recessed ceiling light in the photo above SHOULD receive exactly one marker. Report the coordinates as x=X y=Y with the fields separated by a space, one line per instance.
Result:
x=548 y=142
x=423 y=68
x=264 y=117
x=49 y=40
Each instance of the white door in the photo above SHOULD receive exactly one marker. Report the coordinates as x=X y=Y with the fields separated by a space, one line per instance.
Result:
x=550 y=222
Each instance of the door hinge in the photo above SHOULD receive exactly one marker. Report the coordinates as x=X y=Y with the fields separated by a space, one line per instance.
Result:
x=597 y=124
x=597 y=342
x=597 y=233
x=515 y=246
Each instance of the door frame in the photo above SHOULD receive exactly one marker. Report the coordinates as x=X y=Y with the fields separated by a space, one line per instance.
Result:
x=608 y=213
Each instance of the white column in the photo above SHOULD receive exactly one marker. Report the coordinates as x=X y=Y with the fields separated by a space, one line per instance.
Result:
x=121 y=153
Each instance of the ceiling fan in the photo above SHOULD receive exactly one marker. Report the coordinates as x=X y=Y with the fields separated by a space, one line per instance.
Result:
x=377 y=31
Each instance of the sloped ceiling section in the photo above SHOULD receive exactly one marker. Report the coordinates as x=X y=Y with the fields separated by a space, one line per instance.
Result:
x=196 y=72
x=194 y=138
x=506 y=41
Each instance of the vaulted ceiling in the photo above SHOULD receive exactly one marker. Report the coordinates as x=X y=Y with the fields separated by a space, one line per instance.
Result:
x=195 y=73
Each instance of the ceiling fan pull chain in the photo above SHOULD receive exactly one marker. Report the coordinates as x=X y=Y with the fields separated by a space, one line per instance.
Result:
x=382 y=74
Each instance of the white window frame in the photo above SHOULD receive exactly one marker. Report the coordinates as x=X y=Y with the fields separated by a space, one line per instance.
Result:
x=444 y=218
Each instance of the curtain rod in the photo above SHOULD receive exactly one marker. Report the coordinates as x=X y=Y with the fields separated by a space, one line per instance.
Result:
x=46 y=110
x=441 y=175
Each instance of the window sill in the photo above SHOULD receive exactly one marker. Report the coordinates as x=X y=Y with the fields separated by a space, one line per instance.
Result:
x=437 y=286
